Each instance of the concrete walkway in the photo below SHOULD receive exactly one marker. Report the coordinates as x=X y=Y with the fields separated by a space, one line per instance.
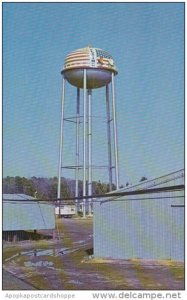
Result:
x=10 y=282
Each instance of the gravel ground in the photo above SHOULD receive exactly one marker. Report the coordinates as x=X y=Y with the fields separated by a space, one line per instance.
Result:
x=65 y=265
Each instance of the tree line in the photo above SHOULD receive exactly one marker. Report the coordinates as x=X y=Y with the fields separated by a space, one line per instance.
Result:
x=46 y=188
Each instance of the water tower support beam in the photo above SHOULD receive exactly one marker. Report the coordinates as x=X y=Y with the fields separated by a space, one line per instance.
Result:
x=61 y=139
x=115 y=133
x=90 y=148
x=77 y=149
x=84 y=141
x=109 y=138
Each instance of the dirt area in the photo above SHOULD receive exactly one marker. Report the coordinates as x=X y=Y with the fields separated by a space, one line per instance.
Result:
x=67 y=264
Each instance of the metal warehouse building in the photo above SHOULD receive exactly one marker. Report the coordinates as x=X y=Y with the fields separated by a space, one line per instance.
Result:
x=23 y=212
x=145 y=226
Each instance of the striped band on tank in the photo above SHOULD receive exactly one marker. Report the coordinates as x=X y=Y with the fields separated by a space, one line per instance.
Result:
x=90 y=57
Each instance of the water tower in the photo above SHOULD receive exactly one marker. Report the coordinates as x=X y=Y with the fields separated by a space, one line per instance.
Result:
x=88 y=69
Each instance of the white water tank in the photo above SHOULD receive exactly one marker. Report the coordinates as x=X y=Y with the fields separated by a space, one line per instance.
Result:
x=98 y=63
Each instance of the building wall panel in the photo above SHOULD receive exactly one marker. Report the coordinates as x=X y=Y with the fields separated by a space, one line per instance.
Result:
x=150 y=229
x=27 y=216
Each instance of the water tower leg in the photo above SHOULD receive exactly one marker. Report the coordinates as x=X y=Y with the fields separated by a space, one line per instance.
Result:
x=90 y=150
x=115 y=133
x=84 y=143
x=77 y=150
x=61 y=140
x=109 y=138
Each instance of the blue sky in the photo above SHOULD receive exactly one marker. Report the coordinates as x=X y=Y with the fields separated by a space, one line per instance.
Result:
x=146 y=42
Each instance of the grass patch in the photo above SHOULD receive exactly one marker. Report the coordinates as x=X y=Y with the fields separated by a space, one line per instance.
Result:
x=10 y=251
x=146 y=279
x=177 y=272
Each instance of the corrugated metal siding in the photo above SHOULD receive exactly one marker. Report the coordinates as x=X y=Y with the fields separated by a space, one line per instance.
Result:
x=149 y=229
x=178 y=233
x=27 y=215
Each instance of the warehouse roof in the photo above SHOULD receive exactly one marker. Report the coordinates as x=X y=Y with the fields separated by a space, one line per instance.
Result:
x=17 y=197
x=173 y=178
x=166 y=181
x=23 y=212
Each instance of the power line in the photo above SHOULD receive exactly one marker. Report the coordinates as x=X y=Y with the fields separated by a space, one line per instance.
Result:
x=104 y=201
x=172 y=188
x=111 y=196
